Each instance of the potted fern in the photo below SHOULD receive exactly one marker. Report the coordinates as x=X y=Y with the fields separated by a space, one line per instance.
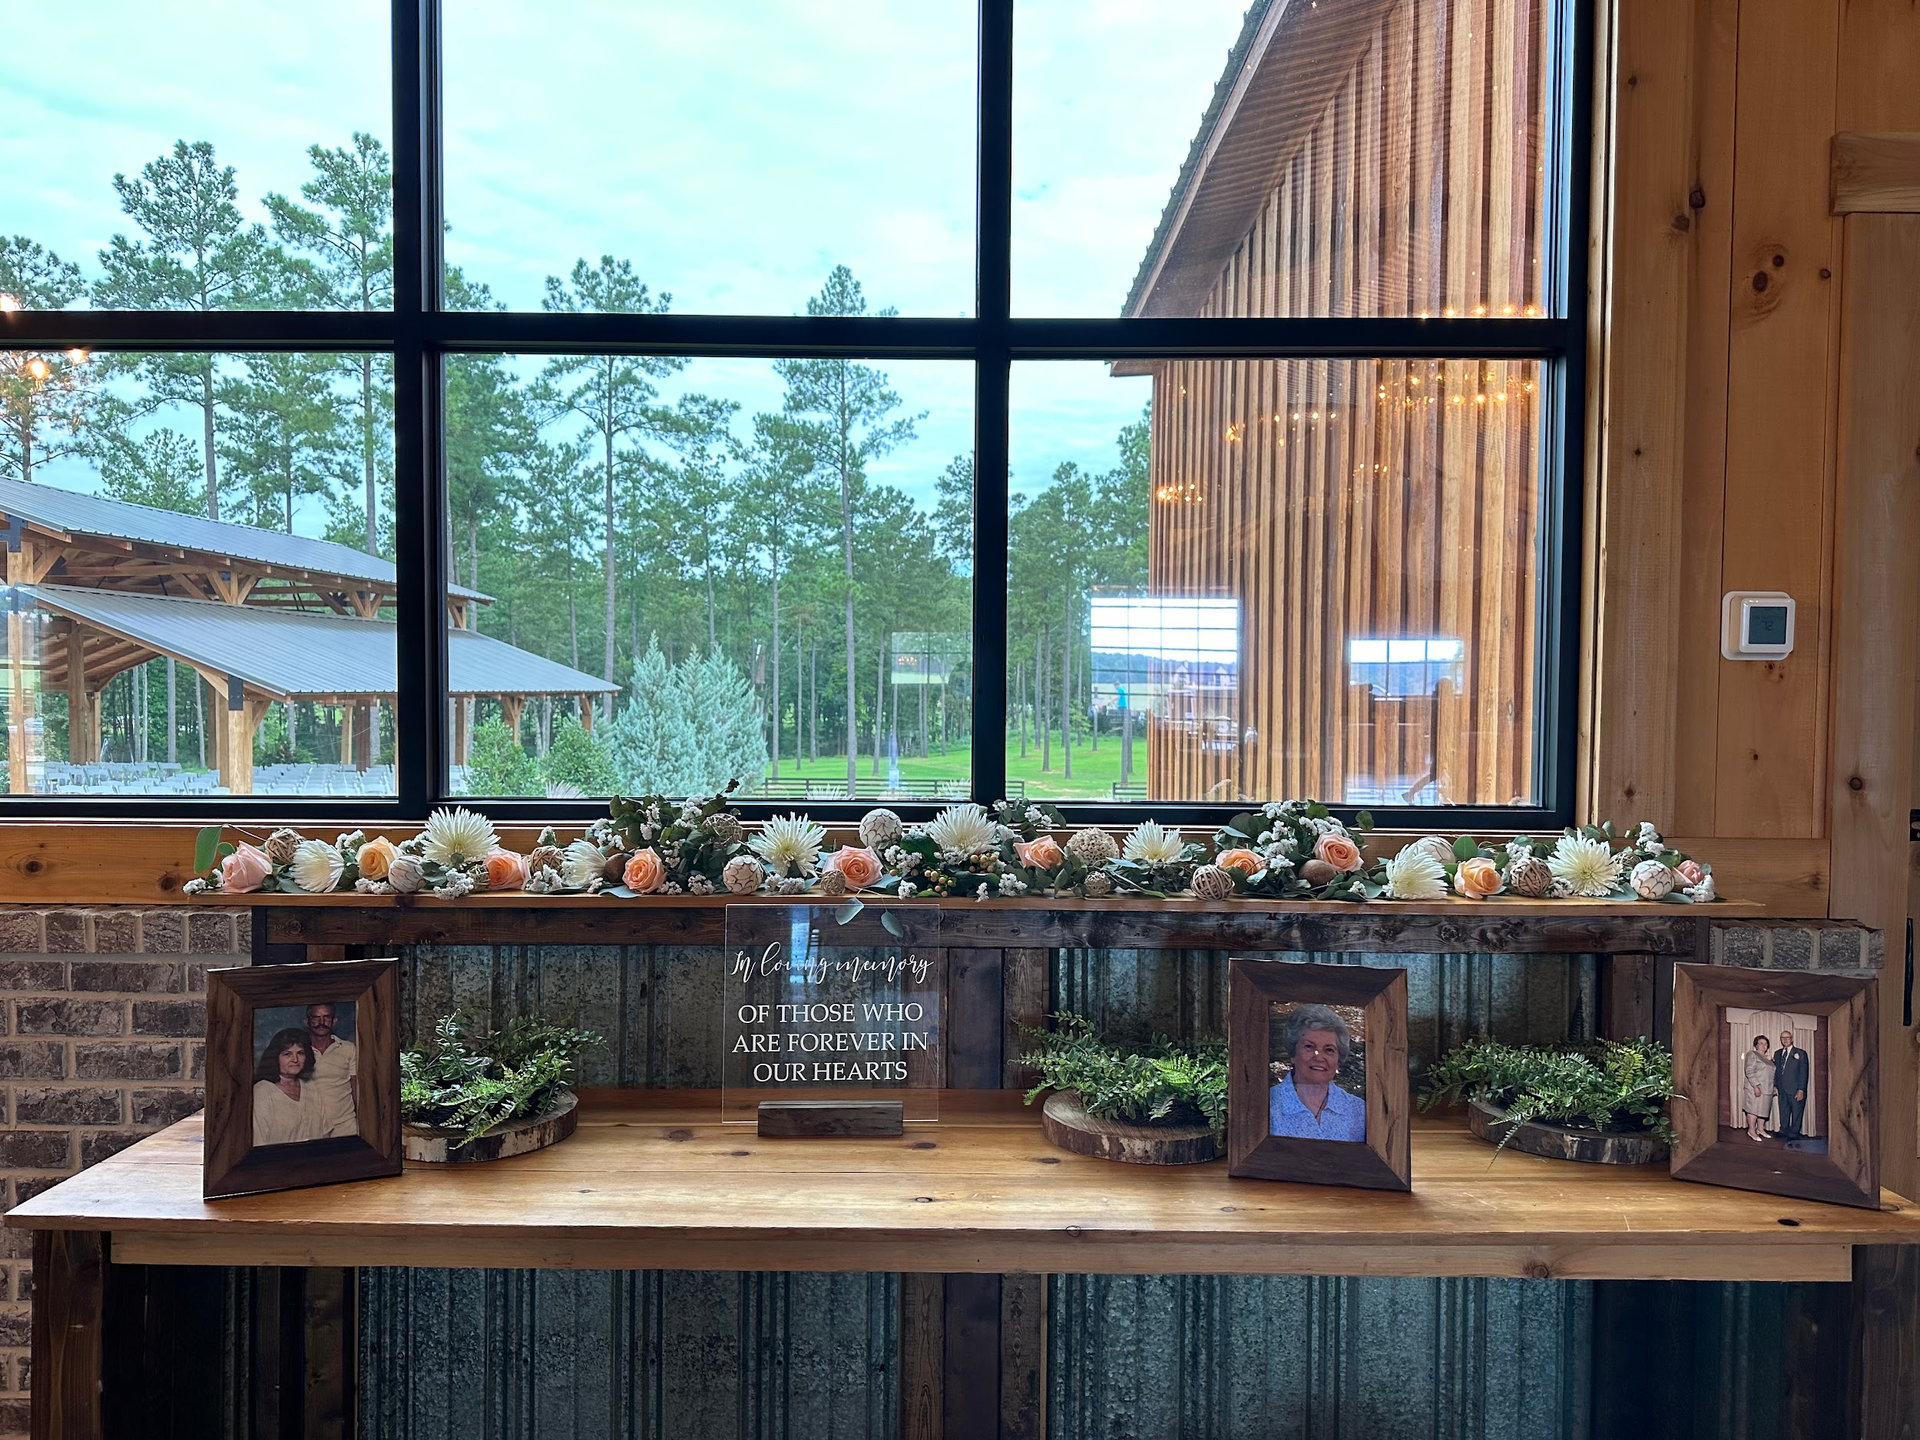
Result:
x=1148 y=1102
x=468 y=1095
x=1602 y=1101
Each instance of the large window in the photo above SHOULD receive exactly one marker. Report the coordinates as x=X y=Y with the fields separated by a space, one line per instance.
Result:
x=845 y=402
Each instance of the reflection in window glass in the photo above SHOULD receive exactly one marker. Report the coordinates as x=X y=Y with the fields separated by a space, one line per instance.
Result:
x=163 y=162
x=694 y=556
x=733 y=153
x=201 y=563
x=1252 y=580
x=1349 y=157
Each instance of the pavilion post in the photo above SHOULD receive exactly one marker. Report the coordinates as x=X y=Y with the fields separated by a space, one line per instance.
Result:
x=365 y=723
x=216 y=713
x=347 y=707
x=461 y=708
x=238 y=721
x=510 y=708
x=586 y=713
x=20 y=694
x=79 y=710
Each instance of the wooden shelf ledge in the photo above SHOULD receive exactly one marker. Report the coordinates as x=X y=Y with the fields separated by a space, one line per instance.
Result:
x=652 y=1179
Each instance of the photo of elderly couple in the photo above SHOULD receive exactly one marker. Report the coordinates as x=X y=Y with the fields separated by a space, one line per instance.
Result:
x=1317 y=1066
x=306 y=1073
x=1775 y=1091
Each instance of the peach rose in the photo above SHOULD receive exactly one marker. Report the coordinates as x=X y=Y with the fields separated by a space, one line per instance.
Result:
x=505 y=870
x=645 y=871
x=1690 y=871
x=859 y=864
x=1477 y=878
x=1338 y=851
x=244 y=870
x=1040 y=853
x=375 y=857
x=1241 y=859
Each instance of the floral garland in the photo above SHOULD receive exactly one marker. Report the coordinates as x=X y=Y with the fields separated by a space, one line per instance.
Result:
x=654 y=845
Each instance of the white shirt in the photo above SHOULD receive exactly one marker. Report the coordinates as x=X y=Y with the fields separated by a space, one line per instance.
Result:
x=279 y=1119
x=334 y=1071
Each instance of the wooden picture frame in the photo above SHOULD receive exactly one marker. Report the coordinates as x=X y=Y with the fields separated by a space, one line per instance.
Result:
x=234 y=1163
x=1382 y=1160
x=1838 y=1158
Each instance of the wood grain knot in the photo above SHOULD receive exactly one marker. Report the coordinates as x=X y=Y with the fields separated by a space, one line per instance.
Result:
x=679 y=1134
x=1760 y=281
x=1537 y=1270
x=1856 y=783
x=1789 y=1222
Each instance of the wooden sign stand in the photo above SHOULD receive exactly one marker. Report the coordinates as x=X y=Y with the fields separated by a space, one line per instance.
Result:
x=835 y=1119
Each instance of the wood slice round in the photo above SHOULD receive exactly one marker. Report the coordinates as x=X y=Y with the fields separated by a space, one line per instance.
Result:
x=520 y=1137
x=1071 y=1128
x=1557 y=1142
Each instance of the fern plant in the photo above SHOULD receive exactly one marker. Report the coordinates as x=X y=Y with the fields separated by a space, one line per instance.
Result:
x=1615 y=1087
x=1156 y=1082
x=467 y=1081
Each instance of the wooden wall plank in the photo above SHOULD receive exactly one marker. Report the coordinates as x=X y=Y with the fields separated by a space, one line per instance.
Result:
x=1876 y=172
x=923 y=1348
x=1634 y=467
x=1770 y=777
x=69 y=1313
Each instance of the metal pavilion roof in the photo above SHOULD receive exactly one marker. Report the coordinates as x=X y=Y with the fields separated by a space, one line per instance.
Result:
x=294 y=654
x=72 y=513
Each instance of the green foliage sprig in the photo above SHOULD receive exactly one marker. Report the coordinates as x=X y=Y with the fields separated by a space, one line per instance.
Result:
x=467 y=1081
x=1618 y=1087
x=1156 y=1082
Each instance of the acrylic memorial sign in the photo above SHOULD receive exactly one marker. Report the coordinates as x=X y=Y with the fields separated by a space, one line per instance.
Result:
x=832 y=1003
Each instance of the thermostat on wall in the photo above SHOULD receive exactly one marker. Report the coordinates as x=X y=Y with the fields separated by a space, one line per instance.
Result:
x=1756 y=624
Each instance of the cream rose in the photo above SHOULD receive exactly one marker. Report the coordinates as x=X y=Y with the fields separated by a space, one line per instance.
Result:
x=375 y=857
x=505 y=870
x=1477 y=878
x=244 y=870
x=1338 y=851
x=1241 y=859
x=858 y=864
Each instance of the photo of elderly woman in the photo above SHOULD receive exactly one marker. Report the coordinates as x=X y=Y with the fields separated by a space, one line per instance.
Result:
x=1317 y=1066
x=1776 y=1079
x=305 y=1074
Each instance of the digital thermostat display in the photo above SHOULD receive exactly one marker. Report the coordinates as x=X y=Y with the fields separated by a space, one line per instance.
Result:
x=1756 y=625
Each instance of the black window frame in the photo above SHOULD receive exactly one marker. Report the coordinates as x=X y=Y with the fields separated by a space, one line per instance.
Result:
x=418 y=333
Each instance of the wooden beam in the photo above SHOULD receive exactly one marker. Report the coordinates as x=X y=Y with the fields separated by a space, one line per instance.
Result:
x=79 y=711
x=1643 y=169
x=1876 y=172
x=1876 y=620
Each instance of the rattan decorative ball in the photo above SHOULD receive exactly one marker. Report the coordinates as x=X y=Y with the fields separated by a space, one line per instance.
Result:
x=832 y=882
x=743 y=875
x=1097 y=884
x=1212 y=882
x=1093 y=847
x=546 y=857
x=1529 y=877
x=281 y=844
x=879 y=829
x=1651 y=880
x=726 y=828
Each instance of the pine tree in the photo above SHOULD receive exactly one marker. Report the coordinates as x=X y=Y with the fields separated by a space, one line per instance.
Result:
x=686 y=728
x=198 y=254
x=843 y=408
x=45 y=398
x=578 y=761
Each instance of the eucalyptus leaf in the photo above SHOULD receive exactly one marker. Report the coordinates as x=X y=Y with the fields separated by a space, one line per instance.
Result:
x=844 y=913
x=1465 y=848
x=892 y=924
x=203 y=848
x=620 y=892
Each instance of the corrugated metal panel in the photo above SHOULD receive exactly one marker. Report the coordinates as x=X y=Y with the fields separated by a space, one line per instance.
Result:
x=302 y=652
x=75 y=514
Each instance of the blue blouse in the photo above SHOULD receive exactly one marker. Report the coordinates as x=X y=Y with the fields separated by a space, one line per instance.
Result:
x=1343 y=1117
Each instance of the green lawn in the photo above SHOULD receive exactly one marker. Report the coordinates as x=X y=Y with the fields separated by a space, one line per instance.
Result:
x=1094 y=772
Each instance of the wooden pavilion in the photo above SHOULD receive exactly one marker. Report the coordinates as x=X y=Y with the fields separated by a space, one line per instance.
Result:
x=98 y=586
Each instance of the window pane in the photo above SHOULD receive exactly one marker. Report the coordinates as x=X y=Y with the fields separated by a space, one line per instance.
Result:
x=735 y=153
x=1350 y=157
x=667 y=544
x=210 y=538
x=226 y=155
x=1276 y=579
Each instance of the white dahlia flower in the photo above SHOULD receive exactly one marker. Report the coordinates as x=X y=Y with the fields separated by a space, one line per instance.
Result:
x=1151 y=843
x=963 y=830
x=316 y=867
x=790 y=844
x=1414 y=874
x=1589 y=867
x=457 y=837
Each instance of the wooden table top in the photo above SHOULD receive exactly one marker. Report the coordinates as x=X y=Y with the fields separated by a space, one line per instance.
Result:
x=652 y=1179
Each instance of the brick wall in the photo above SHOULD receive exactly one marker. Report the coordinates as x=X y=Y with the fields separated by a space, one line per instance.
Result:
x=100 y=1043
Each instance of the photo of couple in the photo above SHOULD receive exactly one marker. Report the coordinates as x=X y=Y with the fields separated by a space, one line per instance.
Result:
x=306 y=1073
x=1775 y=1082
x=1318 y=1068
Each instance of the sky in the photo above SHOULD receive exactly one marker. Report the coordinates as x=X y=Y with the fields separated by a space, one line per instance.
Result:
x=734 y=153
